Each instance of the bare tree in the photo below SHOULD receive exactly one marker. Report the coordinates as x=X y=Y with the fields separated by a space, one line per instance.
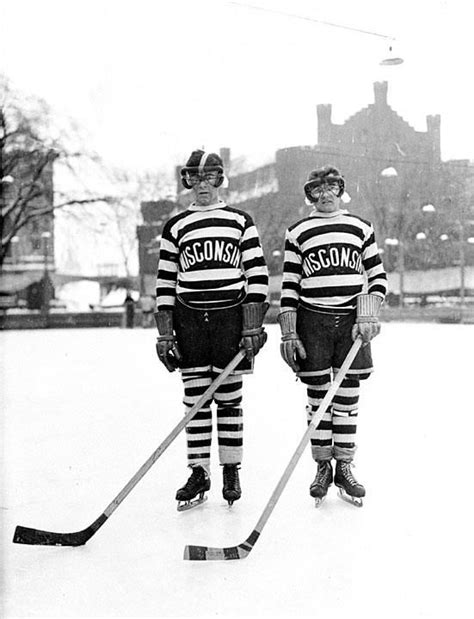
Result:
x=121 y=215
x=30 y=145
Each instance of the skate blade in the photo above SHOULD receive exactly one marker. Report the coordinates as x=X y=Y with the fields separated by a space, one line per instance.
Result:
x=353 y=500
x=318 y=501
x=184 y=506
x=230 y=502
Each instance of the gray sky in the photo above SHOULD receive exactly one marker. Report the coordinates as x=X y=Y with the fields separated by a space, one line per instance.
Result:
x=152 y=80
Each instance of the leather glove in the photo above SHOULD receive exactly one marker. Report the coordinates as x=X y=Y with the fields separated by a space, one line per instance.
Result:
x=367 y=324
x=168 y=352
x=291 y=347
x=253 y=333
x=166 y=346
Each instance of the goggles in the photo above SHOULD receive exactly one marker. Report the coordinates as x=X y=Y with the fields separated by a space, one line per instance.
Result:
x=210 y=178
x=318 y=190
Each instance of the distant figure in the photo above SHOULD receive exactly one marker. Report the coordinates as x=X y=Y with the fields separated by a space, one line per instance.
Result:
x=147 y=304
x=129 y=311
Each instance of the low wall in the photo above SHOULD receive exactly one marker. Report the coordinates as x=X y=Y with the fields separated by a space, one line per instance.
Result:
x=60 y=320
x=94 y=320
x=464 y=315
x=410 y=314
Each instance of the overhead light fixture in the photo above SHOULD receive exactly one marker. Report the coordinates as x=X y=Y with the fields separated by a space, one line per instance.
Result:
x=387 y=62
x=391 y=60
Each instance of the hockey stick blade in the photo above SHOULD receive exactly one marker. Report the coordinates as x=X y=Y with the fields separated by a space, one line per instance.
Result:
x=38 y=537
x=206 y=553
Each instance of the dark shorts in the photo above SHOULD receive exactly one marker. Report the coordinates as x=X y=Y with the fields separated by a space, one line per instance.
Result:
x=327 y=338
x=209 y=339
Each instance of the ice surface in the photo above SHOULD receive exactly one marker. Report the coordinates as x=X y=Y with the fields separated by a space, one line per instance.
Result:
x=83 y=409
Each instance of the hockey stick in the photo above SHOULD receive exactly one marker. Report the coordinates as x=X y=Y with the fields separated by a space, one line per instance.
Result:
x=206 y=553
x=25 y=535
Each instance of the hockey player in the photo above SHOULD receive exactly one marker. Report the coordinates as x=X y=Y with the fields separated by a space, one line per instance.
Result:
x=332 y=288
x=211 y=290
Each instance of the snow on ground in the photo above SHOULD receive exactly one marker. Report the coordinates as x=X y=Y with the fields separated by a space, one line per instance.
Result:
x=82 y=411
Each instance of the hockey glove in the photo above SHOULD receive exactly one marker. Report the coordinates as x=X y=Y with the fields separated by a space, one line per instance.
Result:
x=367 y=324
x=253 y=333
x=166 y=347
x=291 y=346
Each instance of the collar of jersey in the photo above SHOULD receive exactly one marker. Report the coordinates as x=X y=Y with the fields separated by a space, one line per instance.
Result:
x=316 y=213
x=209 y=207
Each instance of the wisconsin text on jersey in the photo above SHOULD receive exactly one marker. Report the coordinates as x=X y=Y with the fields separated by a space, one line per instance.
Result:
x=210 y=256
x=209 y=251
x=325 y=259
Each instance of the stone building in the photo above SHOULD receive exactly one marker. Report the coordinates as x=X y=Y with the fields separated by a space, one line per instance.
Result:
x=391 y=171
x=28 y=265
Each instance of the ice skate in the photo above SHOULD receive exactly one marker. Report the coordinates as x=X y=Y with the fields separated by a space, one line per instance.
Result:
x=231 y=490
x=196 y=486
x=324 y=477
x=350 y=489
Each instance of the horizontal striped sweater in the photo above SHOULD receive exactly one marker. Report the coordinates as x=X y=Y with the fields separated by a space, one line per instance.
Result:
x=331 y=258
x=210 y=257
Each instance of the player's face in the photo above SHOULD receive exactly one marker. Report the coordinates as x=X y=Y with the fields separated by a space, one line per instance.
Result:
x=203 y=186
x=326 y=195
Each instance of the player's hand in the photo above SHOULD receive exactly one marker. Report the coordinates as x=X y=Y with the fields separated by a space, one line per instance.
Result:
x=291 y=349
x=253 y=343
x=366 y=330
x=168 y=353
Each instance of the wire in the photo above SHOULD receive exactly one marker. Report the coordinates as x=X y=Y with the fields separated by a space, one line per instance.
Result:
x=311 y=19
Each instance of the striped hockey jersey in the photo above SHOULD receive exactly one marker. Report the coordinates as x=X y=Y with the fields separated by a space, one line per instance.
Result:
x=210 y=257
x=329 y=257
